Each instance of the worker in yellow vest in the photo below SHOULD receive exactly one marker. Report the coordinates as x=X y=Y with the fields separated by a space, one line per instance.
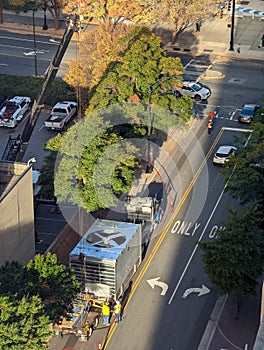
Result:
x=117 y=311
x=106 y=313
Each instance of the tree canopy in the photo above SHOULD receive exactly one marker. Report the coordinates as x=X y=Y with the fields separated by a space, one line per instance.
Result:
x=53 y=283
x=235 y=259
x=23 y=323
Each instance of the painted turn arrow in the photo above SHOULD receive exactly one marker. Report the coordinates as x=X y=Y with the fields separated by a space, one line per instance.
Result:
x=155 y=282
x=200 y=291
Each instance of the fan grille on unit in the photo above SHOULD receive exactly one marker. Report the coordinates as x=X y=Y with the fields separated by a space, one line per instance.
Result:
x=106 y=238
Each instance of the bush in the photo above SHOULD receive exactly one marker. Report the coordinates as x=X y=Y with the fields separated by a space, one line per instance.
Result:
x=11 y=85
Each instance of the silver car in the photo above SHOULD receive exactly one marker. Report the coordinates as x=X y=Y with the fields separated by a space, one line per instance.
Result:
x=194 y=90
x=223 y=154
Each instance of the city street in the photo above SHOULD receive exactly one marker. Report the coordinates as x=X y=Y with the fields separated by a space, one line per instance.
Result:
x=171 y=298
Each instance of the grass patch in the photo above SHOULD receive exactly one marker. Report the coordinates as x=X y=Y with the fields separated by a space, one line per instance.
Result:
x=11 y=85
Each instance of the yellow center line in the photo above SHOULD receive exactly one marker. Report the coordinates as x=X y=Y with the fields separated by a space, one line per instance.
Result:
x=164 y=233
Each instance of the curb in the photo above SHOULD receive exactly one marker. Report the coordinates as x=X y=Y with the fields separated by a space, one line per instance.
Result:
x=212 y=323
x=215 y=75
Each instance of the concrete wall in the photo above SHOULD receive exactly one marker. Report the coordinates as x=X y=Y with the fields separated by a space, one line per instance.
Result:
x=17 y=233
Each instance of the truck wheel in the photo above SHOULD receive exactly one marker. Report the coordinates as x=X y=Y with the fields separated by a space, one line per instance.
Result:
x=197 y=98
x=177 y=94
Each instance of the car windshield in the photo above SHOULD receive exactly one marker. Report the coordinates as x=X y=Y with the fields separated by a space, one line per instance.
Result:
x=248 y=111
x=196 y=87
x=221 y=155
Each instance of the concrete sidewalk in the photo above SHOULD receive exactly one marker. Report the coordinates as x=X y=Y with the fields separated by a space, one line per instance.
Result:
x=215 y=33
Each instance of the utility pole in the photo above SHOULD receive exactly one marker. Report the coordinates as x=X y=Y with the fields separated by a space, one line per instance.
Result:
x=48 y=79
x=34 y=42
x=231 y=48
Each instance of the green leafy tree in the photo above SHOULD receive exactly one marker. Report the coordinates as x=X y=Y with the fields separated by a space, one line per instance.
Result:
x=102 y=168
x=235 y=259
x=23 y=323
x=246 y=182
x=53 y=282
x=144 y=74
x=45 y=277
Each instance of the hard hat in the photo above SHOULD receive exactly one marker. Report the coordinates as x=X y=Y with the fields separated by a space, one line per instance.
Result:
x=118 y=302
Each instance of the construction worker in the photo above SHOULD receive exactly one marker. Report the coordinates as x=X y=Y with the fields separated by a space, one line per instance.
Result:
x=210 y=127
x=106 y=313
x=117 y=311
x=211 y=115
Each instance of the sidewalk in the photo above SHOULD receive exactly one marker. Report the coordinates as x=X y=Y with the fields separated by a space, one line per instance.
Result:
x=214 y=35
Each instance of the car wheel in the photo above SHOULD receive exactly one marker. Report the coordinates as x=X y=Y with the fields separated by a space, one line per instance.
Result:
x=197 y=98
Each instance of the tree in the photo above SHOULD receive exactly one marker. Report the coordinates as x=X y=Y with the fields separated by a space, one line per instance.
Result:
x=144 y=72
x=235 y=259
x=55 y=284
x=246 y=182
x=23 y=324
x=102 y=45
x=43 y=276
x=102 y=169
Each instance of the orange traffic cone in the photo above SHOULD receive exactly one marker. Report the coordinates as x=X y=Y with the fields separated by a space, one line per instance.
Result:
x=100 y=347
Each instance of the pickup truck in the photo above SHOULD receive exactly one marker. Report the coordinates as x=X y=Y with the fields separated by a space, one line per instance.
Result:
x=13 y=111
x=61 y=115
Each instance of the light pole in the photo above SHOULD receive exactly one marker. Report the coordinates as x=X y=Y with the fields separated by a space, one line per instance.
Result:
x=45 y=26
x=34 y=43
x=231 y=48
x=31 y=160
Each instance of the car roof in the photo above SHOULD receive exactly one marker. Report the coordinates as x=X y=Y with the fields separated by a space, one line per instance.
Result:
x=249 y=106
x=225 y=149
x=19 y=99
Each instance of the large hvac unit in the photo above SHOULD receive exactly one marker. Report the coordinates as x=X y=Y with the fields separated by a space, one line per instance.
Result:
x=107 y=256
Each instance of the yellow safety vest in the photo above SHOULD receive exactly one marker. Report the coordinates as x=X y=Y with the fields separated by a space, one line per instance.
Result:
x=106 y=310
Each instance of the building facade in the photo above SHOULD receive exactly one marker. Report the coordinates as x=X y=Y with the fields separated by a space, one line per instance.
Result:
x=17 y=232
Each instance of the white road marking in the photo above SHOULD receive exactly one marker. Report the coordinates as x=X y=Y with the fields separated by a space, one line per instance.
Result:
x=201 y=291
x=209 y=220
x=155 y=282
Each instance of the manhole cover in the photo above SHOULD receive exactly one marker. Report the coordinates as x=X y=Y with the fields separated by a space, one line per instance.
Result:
x=237 y=81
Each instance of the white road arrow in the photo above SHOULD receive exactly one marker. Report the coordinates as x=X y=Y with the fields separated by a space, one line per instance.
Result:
x=155 y=282
x=200 y=291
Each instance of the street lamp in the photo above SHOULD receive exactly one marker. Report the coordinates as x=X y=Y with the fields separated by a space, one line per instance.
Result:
x=34 y=42
x=31 y=160
x=231 y=48
x=45 y=26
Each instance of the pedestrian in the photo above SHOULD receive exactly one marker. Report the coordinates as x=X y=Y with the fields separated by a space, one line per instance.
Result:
x=211 y=115
x=106 y=313
x=238 y=48
x=117 y=311
x=210 y=127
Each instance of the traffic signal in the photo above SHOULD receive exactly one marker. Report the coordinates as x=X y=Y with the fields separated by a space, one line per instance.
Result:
x=220 y=12
x=229 y=5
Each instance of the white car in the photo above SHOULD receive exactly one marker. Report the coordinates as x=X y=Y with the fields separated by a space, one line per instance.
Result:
x=14 y=110
x=194 y=90
x=223 y=154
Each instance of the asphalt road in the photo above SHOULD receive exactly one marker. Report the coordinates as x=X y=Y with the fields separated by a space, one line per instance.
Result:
x=17 y=54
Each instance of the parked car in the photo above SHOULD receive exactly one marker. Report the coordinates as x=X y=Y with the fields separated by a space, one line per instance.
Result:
x=194 y=90
x=223 y=154
x=14 y=110
x=247 y=113
x=61 y=115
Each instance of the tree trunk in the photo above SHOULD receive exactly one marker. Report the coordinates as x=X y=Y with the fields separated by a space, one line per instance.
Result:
x=237 y=307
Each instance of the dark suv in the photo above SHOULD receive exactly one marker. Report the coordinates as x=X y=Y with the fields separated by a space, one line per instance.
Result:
x=247 y=113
